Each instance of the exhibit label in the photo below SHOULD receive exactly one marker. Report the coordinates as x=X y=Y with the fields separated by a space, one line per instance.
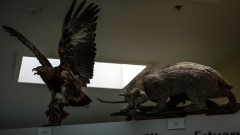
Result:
x=210 y=133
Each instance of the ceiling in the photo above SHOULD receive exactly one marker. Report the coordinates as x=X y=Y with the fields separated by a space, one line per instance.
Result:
x=136 y=31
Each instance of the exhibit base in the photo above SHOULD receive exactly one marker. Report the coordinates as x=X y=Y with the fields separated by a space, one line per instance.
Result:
x=197 y=125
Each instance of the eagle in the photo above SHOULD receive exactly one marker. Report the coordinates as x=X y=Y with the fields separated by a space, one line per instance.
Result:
x=76 y=51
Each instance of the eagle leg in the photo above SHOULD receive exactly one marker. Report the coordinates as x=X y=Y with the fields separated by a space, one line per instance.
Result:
x=63 y=100
x=53 y=95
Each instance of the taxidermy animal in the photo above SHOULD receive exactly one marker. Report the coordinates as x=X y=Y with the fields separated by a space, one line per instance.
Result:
x=76 y=51
x=197 y=81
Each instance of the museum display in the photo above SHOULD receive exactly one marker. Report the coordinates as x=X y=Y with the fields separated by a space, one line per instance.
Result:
x=77 y=52
x=178 y=82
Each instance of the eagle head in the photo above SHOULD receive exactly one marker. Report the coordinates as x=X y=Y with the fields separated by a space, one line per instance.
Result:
x=38 y=70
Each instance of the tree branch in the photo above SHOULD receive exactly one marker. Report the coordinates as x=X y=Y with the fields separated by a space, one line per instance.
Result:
x=144 y=112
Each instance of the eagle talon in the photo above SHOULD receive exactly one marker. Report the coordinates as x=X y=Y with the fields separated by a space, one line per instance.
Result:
x=62 y=101
x=35 y=71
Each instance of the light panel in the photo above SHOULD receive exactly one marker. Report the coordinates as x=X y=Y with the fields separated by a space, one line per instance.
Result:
x=106 y=75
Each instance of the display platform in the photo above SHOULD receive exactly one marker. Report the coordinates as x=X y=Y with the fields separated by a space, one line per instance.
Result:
x=196 y=125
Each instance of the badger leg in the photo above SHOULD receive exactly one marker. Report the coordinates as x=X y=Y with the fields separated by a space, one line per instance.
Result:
x=161 y=103
x=225 y=93
x=198 y=101
x=232 y=99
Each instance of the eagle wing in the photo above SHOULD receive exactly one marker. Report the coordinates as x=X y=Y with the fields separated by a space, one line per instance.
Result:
x=77 y=50
x=42 y=59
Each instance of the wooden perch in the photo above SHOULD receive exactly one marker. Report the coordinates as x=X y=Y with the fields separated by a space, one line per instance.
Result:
x=56 y=113
x=144 y=112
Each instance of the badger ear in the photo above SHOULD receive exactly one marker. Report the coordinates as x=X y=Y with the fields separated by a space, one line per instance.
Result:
x=135 y=92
